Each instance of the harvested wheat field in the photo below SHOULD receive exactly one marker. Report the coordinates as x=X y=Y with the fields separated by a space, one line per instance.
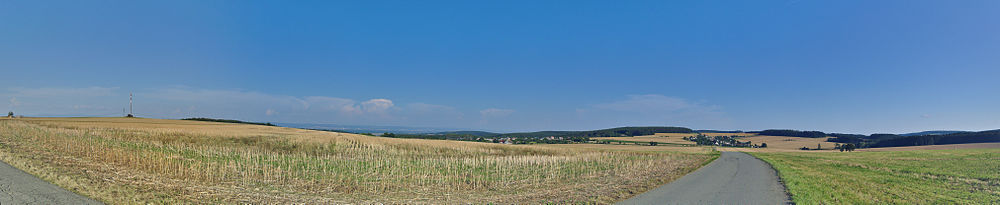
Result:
x=631 y=147
x=789 y=143
x=140 y=161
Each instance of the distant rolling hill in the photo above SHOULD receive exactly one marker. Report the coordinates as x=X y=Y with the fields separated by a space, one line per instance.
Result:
x=953 y=138
x=719 y=131
x=366 y=129
x=612 y=132
x=473 y=133
x=934 y=132
x=894 y=140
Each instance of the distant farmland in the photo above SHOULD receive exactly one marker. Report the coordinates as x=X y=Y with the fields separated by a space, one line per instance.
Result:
x=790 y=143
x=120 y=160
x=670 y=138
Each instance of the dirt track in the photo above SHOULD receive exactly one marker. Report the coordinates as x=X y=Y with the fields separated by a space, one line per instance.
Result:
x=18 y=187
x=734 y=178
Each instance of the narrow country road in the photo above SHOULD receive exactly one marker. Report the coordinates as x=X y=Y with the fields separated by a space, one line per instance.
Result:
x=19 y=187
x=734 y=178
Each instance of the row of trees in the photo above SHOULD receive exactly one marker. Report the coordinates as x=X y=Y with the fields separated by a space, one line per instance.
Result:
x=228 y=121
x=613 y=132
x=954 y=138
x=847 y=147
x=474 y=138
x=891 y=140
x=793 y=133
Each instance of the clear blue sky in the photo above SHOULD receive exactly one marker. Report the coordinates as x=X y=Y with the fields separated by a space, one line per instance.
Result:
x=835 y=66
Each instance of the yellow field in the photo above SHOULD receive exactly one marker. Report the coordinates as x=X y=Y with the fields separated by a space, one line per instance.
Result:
x=789 y=143
x=140 y=161
x=629 y=147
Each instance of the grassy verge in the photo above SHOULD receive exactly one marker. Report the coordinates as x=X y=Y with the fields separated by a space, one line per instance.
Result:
x=969 y=176
x=135 y=162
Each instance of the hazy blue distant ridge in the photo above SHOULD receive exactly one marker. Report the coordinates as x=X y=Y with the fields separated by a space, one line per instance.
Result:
x=933 y=132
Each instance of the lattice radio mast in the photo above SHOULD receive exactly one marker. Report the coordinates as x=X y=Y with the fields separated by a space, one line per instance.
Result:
x=130 y=106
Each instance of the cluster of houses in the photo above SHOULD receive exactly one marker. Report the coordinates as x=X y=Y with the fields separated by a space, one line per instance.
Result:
x=725 y=141
x=505 y=140
x=553 y=138
x=511 y=140
x=502 y=140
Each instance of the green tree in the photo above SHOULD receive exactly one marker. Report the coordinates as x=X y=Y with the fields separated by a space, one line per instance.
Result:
x=850 y=147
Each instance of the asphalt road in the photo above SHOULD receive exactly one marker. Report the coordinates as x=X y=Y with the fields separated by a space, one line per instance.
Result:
x=734 y=178
x=19 y=187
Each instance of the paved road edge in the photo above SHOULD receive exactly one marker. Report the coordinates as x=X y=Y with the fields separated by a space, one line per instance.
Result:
x=780 y=180
x=23 y=186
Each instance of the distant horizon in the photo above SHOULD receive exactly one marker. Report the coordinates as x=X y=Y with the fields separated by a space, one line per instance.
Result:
x=446 y=129
x=841 y=66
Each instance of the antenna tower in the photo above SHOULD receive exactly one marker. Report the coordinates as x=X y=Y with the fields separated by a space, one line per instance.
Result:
x=130 y=106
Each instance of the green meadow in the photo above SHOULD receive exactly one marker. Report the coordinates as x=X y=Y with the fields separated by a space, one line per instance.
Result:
x=968 y=176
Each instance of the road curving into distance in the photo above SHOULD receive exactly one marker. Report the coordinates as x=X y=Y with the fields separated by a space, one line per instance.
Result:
x=734 y=178
x=19 y=187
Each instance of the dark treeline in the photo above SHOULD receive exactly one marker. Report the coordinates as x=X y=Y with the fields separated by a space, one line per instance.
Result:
x=720 y=131
x=613 y=132
x=879 y=137
x=893 y=140
x=495 y=139
x=543 y=137
x=794 y=133
x=846 y=138
x=954 y=138
x=474 y=133
x=227 y=121
x=537 y=134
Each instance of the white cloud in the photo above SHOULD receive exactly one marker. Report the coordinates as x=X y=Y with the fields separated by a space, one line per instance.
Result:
x=379 y=106
x=495 y=112
x=340 y=105
x=182 y=102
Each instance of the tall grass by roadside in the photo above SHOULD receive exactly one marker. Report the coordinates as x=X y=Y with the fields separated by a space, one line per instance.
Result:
x=970 y=176
x=140 y=165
